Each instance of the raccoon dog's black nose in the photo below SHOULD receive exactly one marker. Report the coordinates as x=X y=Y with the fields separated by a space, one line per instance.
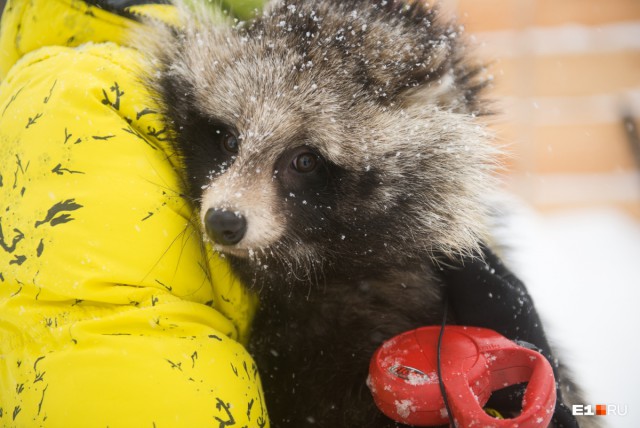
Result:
x=225 y=227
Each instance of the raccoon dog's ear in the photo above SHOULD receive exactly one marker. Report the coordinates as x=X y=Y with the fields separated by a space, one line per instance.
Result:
x=159 y=37
x=415 y=55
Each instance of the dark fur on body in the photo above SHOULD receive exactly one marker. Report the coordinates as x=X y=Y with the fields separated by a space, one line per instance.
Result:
x=381 y=92
x=314 y=353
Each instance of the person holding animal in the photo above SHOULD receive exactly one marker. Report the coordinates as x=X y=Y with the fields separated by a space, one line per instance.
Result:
x=327 y=151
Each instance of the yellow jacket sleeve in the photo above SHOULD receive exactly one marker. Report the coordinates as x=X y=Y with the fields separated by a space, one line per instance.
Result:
x=112 y=310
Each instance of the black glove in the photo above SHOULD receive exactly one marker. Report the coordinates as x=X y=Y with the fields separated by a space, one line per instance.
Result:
x=482 y=292
x=120 y=5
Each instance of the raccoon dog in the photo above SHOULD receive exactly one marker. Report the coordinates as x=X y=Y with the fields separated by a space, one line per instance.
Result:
x=333 y=153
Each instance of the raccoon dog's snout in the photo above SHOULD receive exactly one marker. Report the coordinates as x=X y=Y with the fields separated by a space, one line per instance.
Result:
x=225 y=227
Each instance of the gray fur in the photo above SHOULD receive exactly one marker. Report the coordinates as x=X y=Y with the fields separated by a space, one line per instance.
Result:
x=374 y=98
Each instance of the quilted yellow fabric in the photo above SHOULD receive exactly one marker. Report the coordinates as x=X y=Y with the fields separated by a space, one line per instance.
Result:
x=112 y=310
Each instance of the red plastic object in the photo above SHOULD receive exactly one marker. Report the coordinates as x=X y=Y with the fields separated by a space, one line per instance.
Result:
x=475 y=362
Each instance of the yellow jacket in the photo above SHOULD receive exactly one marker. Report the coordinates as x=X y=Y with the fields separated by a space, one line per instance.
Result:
x=112 y=311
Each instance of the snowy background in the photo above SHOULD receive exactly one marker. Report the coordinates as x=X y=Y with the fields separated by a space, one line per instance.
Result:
x=581 y=267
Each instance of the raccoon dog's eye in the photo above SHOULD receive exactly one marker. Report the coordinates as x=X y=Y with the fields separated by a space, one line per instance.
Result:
x=302 y=169
x=305 y=162
x=230 y=143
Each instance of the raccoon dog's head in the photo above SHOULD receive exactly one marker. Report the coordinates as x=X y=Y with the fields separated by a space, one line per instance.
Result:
x=330 y=135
